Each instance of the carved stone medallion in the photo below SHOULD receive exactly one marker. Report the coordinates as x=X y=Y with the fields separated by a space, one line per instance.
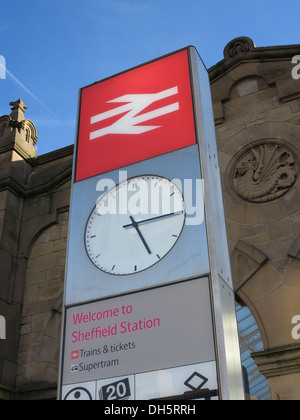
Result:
x=264 y=173
x=238 y=46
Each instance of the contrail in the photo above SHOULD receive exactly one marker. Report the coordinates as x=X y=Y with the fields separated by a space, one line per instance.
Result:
x=18 y=82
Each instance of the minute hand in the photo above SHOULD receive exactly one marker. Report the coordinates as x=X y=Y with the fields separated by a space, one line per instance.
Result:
x=153 y=219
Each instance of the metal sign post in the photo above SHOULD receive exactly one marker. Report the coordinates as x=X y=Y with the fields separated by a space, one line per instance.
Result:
x=227 y=342
x=149 y=305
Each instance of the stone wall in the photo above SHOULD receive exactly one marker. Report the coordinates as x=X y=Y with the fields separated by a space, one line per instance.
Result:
x=34 y=203
x=257 y=113
x=38 y=350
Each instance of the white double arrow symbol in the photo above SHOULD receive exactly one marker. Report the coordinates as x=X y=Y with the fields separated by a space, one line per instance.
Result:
x=135 y=104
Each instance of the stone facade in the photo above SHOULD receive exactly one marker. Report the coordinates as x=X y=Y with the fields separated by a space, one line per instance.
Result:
x=257 y=115
x=34 y=205
x=38 y=349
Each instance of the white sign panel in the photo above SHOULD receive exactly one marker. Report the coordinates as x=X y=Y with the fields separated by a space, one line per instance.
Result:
x=139 y=332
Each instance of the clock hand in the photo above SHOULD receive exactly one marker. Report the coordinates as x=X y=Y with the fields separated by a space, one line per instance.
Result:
x=135 y=225
x=153 y=219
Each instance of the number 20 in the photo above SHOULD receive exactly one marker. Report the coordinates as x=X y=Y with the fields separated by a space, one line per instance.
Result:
x=116 y=391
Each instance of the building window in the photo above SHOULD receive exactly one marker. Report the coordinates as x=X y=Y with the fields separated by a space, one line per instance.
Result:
x=27 y=135
x=250 y=342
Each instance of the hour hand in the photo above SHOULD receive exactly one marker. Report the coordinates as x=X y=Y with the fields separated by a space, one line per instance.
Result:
x=135 y=225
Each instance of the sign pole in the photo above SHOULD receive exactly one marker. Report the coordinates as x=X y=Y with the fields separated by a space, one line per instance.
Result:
x=227 y=341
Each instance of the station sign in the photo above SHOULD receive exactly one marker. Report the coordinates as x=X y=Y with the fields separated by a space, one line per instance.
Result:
x=149 y=306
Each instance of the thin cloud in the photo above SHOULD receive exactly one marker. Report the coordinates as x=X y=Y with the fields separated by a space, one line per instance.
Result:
x=19 y=83
x=48 y=122
x=131 y=7
x=123 y=6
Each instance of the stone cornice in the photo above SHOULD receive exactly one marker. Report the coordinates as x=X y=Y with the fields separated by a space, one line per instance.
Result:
x=42 y=177
x=52 y=156
x=252 y=53
x=278 y=361
x=16 y=186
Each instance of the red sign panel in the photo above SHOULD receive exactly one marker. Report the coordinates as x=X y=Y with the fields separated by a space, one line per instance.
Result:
x=136 y=115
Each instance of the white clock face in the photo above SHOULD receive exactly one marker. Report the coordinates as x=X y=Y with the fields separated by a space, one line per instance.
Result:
x=134 y=225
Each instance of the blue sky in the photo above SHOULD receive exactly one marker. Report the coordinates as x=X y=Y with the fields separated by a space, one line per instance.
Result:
x=53 y=48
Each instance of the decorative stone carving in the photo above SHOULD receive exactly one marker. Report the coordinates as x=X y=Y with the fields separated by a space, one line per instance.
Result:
x=18 y=133
x=238 y=46
x=31 y=133
x=18 y=110
x=4 y=124
x=264 y=173
x=17 y=124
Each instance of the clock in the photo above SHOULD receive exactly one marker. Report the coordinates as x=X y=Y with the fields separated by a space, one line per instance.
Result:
x=135 y=225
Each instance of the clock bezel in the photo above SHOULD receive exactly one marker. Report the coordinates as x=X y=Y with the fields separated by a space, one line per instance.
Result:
x=161 y=258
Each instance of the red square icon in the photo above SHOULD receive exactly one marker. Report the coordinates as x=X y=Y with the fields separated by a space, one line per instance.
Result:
x=136 y=115
x=74 y=354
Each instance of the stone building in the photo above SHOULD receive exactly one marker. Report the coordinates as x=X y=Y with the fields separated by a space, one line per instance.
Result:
x=257 y=115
